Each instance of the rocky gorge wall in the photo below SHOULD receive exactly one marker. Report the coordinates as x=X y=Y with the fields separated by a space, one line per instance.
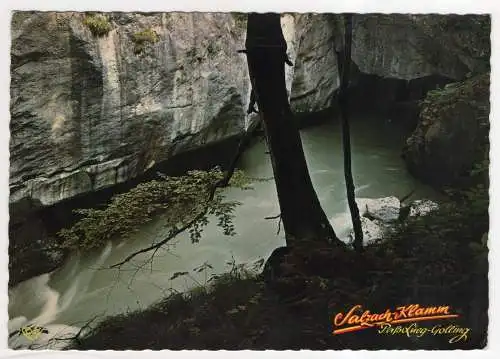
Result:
x=91 y=112
x=88 y=112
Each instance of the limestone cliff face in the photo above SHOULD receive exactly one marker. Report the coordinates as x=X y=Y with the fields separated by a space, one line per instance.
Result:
x=89 y=112
x=316 y=76
x=397 y=46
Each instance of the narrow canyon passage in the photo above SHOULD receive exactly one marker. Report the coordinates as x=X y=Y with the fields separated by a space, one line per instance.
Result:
x=83 y=288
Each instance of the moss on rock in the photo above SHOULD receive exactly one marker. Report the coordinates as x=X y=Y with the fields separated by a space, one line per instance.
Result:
x=142 y=38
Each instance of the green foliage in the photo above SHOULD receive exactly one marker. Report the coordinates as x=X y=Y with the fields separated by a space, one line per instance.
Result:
x=178 y=199
x=240 y=180
x=98 y=24
x=142 y=38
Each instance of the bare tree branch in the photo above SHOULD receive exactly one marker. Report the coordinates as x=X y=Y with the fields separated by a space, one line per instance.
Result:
x=273 y=217
x=164 y=241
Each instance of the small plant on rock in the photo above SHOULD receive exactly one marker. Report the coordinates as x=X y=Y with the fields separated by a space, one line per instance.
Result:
x=142 y=38
x=98 y=24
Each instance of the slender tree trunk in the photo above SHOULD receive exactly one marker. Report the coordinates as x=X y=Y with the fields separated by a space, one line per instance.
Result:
x=346 y=136
x=301 y=212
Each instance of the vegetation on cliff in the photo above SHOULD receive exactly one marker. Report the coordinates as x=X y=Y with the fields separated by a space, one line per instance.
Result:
x=473 y=91
x=98 y=24
x=142 y=38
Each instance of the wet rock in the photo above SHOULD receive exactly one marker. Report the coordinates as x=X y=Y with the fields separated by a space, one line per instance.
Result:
x=384 y=209
x=372 y=230
x=380 y=214
x=89 y=113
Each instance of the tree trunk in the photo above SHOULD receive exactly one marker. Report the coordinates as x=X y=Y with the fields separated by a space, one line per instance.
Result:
x=301 y=212
x=346 y=136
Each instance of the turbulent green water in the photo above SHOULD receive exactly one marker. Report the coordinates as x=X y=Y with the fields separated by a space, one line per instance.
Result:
x=66 y=299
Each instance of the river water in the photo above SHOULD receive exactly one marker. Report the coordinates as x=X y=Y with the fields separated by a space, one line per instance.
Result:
x=84 y=288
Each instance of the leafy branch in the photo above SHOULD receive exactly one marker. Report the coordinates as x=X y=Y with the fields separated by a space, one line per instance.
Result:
x=184 y=202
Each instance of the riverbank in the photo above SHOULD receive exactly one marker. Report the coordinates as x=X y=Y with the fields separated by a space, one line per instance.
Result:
x=439 y=259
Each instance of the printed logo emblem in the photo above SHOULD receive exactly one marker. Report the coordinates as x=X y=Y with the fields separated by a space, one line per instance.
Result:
x=32 y=332
x=401 y=321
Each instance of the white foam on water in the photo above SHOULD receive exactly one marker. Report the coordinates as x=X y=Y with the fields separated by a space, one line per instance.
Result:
x=320 y=172
x=342 y=224
x=87 y=274
x=54 y=339
x=83 y=287
x=53 y=304
x=69 y=295
x=58 y=336
x=50 y=309
x=47 y=314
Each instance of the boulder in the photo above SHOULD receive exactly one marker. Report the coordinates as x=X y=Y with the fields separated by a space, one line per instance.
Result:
x=378 y=216
x=384 y=209
x=452 y=133
x=89 y=113
x=372 y=230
